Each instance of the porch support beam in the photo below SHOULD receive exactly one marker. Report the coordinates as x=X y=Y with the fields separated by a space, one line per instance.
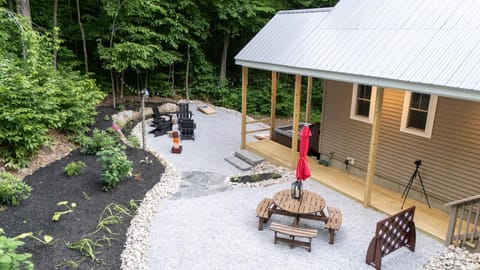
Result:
x=273 y=104
x=372 y=155
x=308 y=107
x=244 y=107
x=296 y=114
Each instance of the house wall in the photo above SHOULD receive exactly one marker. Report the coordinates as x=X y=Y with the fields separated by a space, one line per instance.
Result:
x=450 y=158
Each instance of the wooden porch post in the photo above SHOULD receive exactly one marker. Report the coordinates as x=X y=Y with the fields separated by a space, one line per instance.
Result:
x=308 y=107
x=273 y=104
x=372 y=155
x=244 y=106
x=296 y=114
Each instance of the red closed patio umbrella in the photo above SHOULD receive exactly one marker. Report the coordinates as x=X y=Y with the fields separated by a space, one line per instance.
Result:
x=302 y=171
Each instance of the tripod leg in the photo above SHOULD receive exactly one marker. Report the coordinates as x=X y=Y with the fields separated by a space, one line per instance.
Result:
x=409 y=185
x=407 y=189
x=424 y=191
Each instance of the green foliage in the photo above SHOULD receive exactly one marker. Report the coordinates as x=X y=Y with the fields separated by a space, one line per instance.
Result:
x=100 y=139
x=39 y=97
x=10 y=259
x=74 y=168
x=106 y=118
x=115 y=166
x=12 y=190
x=133 y=140
x=86 y=247
x=68 y=209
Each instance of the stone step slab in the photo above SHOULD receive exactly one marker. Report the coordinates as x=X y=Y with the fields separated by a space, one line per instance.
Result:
x=248 y=157
x=239 y=163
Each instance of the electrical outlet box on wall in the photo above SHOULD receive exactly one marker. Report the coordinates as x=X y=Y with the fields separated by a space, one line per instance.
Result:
x=351 y=160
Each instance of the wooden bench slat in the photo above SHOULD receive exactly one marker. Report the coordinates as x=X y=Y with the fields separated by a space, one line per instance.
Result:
x=293 y=232
x=334 y=222
x=300 y=232
x=263 y=211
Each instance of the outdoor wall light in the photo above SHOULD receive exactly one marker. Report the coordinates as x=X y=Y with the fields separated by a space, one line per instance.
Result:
x=296 y=190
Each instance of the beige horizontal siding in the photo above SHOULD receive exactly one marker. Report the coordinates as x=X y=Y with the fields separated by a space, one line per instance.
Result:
x=451 y=163
x=340 y=134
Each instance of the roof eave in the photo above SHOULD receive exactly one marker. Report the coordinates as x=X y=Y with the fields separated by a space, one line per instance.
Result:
x=439 y=90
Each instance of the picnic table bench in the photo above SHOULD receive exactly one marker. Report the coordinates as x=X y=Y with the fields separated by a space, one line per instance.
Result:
x=293 y=232
x=263 y=211
x=334 y=222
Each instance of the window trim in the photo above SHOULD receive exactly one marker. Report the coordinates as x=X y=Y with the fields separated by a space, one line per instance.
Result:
x=432 y=108
x=353 y=106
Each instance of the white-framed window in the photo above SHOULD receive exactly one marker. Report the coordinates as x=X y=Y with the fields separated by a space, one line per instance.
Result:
x=418 y=114
x=363 y=102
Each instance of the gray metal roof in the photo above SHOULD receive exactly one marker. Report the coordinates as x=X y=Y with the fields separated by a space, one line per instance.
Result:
x=426 y=46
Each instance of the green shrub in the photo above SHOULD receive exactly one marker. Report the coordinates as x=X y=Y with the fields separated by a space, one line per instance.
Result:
x=100 y=139
x=12 y=190
x=115 y=166
x=106 y=118
x=74 y=168
x=134 y=141
x=10 y=259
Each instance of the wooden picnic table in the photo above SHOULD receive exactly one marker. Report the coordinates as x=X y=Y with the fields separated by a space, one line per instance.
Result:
x=310 y=206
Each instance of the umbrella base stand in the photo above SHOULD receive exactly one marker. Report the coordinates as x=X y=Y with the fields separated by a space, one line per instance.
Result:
x=177 y=150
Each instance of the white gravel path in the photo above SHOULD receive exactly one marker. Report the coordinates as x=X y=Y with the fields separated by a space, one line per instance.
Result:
x=219 y=230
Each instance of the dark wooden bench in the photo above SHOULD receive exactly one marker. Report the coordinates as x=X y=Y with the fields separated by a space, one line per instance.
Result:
x=263 y=212
x=334 y=222
x=293 y=232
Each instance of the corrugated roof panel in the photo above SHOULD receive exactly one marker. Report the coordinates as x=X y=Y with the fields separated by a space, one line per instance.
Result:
x=467 y=74
x=420 y=44
x=435 y=65
x=458 y=19
x=281 y=35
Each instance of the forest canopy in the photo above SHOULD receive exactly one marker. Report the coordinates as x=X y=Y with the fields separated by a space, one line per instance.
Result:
x=58 y=59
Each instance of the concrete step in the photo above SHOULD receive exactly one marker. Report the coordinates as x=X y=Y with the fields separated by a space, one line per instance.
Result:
x=248 y=156
x=239 y=163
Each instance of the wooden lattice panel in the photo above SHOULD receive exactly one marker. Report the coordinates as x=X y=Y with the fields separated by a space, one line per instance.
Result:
x=391 y=234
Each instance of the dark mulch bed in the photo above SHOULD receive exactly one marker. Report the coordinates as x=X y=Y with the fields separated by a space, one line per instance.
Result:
x=51 y=185
x=254 y=178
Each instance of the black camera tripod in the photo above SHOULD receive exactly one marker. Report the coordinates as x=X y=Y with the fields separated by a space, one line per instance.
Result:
x=409 y=185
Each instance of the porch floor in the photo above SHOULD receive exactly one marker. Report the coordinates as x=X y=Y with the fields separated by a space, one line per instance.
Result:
x=431 y=221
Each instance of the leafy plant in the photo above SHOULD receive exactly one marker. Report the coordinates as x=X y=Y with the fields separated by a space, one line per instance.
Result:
x=146 y=161
x=10 y=259
x=134 y=141
x=12 y=190
x=85 y=196
x=86 y=247
x=74 y=168
x=106 y=118
x=69 y=209
x=115 y=166
x=100 y=139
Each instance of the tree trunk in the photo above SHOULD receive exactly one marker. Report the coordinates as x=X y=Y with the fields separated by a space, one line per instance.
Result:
x=172 y=73
x=10 y=4
x=223 y=67
x=186 y=74
x=55 y=32
x=113 y=87
x=84 y=43
x=122 y=82
x=23 y=8
x=146 y=79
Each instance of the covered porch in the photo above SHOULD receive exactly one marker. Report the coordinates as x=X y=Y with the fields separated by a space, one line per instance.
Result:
x=430 y=220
